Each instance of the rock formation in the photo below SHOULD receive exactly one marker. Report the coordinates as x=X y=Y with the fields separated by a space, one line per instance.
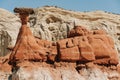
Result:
x=53 y=23
x=87 y=45
x=10 y=23
x=5 y=68
x=88 y=54
x=81 y=45
x=26 y=47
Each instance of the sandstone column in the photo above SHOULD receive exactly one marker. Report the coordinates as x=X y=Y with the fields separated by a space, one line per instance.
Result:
x=26 y=47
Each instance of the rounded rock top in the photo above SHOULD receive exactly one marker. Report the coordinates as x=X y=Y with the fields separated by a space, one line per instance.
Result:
x=24 y=10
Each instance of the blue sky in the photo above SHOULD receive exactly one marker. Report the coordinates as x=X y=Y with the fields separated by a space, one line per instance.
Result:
x=76 y=5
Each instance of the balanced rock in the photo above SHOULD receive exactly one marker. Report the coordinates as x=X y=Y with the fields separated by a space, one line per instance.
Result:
x=26 y=47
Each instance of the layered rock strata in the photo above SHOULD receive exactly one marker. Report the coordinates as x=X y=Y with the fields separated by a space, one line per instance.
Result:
x=81 y=45
x=33 y=58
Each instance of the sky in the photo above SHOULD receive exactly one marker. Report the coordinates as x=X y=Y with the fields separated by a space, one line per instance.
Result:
x=75 y=5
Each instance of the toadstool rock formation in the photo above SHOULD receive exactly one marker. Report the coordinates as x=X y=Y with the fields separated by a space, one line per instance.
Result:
x=26 y=47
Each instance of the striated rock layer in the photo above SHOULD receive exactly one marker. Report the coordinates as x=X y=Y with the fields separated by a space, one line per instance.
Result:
x=53 y=23
x=82 y=46
x=88 y=54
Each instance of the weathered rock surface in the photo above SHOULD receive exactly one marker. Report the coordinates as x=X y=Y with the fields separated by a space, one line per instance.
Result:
x=5 y=68
x=85 y=45
x=97 y=47
x=50 y=48
x=10 y=23
x=53 y=23
x=82 y=45
x=26 y=47
x=65 y=71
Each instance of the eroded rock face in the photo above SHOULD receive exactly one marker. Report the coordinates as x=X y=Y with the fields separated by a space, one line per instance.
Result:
x=26 y=47
x=86 y=46
x=65 y=71
x=5 y=68
x=51 y=23
x=33 y=56
x=10 y=23
x=83 y=45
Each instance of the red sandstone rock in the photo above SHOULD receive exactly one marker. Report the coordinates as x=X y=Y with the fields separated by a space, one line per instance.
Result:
x=97 y=44
x=100 y=32
x=62 y=43
x=86 y=51
x=4 y=66
x=44 y=43
x=100 y=48
x=78 y=31
x=26 y=47
x=70 y=54
x=83 y=46
x=50 y=48
x=69 y=43
x=76 y=41
x=103 y=47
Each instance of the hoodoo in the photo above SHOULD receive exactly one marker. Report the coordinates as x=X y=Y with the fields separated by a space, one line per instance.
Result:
x=26 y=47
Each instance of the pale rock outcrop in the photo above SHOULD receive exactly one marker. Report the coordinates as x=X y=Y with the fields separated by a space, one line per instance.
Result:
x=10 y=23
x=43 y=71
x=65 y=71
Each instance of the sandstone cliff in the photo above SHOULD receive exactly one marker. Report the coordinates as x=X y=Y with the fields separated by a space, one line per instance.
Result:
x=53 y=23
x=88 y=55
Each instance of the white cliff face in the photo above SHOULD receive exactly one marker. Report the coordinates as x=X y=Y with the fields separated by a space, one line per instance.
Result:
x=10 y=23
